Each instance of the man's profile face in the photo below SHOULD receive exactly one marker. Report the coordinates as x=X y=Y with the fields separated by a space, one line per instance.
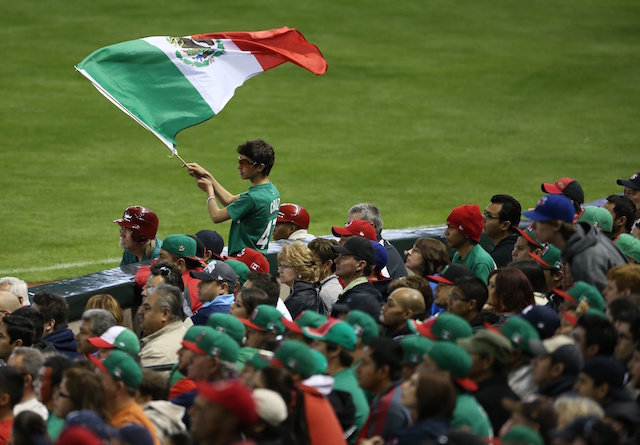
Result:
x=125 y=238
x=84 y=347
x=544 y=231
x=152 y=281
x=209 y=290
x=165 y=257
x=454 y=238
x=633 y=195
x=6 y=347
x=151 y=316
x=283 y=231
x=393 y=311
x=521 y=249
x=346 y=265
x=492 y=223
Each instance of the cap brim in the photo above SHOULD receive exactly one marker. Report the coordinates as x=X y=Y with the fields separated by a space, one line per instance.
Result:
x=526 y=236
x=570 y=318
x=564 y=295
x=625 y=183
x=249 y=324
x=291 y=325
x=551 y=189
x=340 y=231
x=537 y=347
x=439 y=279
x=466 y=383
x=536 y=216
x=100 y=343
x=540 y=261
x=312 y=334
x=96 y=361
x=425 y=330
x=343 y=250
x=191 y=346
x=202 y=276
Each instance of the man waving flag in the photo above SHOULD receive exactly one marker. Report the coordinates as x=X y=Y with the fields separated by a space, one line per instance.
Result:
x=168 y=84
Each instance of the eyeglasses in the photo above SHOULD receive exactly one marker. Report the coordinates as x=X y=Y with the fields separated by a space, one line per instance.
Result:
x=64 y=395
x=284 y=266
x=456 y=297
x=489 y=215
x=245 y=162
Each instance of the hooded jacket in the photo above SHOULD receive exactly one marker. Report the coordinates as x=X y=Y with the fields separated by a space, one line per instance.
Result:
x=166 y=417
x=590 y=255
x=64 y=341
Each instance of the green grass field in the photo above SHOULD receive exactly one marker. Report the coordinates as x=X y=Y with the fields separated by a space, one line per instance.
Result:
x=426 y=105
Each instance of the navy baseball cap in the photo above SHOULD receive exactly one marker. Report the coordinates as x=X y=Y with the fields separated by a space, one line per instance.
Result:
x=543 y=318
x=551 y=208
x=632 y=183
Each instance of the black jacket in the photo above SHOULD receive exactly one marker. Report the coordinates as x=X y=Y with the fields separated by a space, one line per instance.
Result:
x=303 y=297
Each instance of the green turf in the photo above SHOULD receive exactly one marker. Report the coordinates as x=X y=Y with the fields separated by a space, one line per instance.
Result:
x=426 y=105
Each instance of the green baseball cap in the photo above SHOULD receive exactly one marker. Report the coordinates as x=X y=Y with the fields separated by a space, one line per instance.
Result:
x=121 y=366
x=182 y=245
x=321 y=362
x=629 y=245
x=582 y=290
x=451 y=357
x=489 y=342
x=363 y=324
x=521 y=434
x=529 y=236
x=414 y=347
x=597 y=217
x=256 y=359
x=519 y=331
x=228 y=324
x=334 y=331
x=192 y=333
x=444 y=326
x=214 y=344
x=305 y=318
x=295 y=356
x=241 y=269
x=549 y=258
x=117 y=337
x=265 y=318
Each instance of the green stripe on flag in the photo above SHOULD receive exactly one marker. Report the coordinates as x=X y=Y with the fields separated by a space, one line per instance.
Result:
x=149 y=85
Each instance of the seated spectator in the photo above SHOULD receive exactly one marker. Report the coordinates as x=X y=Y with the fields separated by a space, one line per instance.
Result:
x=247 y=300
x=427 y=257
x=598 y=217
x=297 y=269
x=263 y=325
x=587 y=430
x=443 y=283
x=551 y=262
x=569 y=188
x=366 y=329
x=213 y=244
x=138 y=228
x=269 y=284
x=467 y=298
x=570 y=407
x=632 y=190
x=292 y=223
x=544 y=319
x=443 y=327
x=29 y=428
x=28 y=361
x=509 y=291
x=17 y=287
x=108 y=303
x=602 y=379
x=536 y=277
x=152 y=395
x=556 y=366
x=9 y=303
x=161 y=322
x=629 y=245
x=623 y=210
x=79 y=389
x=519 y=370
x=464 y=227
x=46 y=386
x=535 y=412
x=215 y=290
x=325 y=256
x=622 y=280
x=403 y=304
x=525 y=244
x=15 y=331
x=116 y=337
x=11 y=384
x=595 y=335
x=500 y=218
x=94 y=323
x=56 y=311
x=628 y=327
x=272 y=410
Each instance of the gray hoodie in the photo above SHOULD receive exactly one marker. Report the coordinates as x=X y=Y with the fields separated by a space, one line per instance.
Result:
x=591 y=254
x=166 y=417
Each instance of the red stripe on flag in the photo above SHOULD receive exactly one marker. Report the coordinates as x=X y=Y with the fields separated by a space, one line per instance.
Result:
x=276 y=46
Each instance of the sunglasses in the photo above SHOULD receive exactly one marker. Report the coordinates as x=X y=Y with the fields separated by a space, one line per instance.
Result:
x=245 y=162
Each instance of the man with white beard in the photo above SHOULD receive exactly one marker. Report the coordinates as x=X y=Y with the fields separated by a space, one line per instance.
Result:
x=138 y=228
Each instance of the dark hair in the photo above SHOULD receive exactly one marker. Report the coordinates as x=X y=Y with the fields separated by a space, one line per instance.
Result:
x=29 y=428
x=170 y=274
x=19 y=328
x=322 y=248
x=58 y=364
x=154 y=384
x=534 y=273
x=513 y=290
x=473 y=288
x=12 y=383
x=623 y=206
x=200 y=247
x=259 y=151
x=86 y=391
x=510 y=211
x=436 y=394
x=434 y=256
x=599 y=331
x=346 y=357
x=414 y=282
x=366 y=271
x=622 y=304
x=385 y=351
x=253 y=297
x=36 y=318
x=182 y=438
x=632 y=317
x=267 y=283
x=53 y=307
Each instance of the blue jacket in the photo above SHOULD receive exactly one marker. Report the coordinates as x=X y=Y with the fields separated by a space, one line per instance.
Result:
x=64 y=341
x=221 y=304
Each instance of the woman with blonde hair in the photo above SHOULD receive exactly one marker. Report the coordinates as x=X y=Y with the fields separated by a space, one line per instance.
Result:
x=108 y=303
x=297 y=269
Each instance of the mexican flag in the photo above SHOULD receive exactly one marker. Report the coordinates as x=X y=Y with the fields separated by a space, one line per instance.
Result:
x=168 y=84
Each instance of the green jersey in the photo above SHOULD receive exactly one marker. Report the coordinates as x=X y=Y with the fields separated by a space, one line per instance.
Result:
x=253 y=218
x=478 y=261
x=346 y=381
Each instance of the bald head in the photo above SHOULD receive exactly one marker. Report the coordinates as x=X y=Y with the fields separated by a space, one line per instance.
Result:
x=403 y=304
x=410 y=299
x=8 y=302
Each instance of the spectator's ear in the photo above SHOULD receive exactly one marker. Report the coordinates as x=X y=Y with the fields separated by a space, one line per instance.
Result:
x=5 y=400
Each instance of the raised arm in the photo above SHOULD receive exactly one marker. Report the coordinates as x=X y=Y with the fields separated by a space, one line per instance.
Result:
x=223 y=195
x=217 y=214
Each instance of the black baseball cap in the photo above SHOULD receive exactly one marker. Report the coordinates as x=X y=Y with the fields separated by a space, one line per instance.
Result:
x=358 y=246
x=632 y=183
x=450 y=274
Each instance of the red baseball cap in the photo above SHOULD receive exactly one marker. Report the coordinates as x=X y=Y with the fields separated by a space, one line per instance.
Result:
x=467 y=219
x=234 y=396
x=357 y=227
x=254 y=260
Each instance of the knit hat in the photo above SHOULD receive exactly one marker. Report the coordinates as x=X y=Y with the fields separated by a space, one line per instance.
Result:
x=306 y=318
x=629 y=245
x=414 y=348
x=265 y=318
x=488 y=342
x=228 y=324
x=551 y=208
x=232 y=395
x=363 y=324
x=356 y=227
x=519 y=332
x=334 y=331
x=121 y=366
x=597 y=217
x=451 y=357
x=444 y=326
x=467 y=219
x=214 y=344
x=117 y=337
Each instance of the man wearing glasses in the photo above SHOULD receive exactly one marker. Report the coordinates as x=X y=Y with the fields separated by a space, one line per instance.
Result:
x=253 y=213
x=501 y=217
